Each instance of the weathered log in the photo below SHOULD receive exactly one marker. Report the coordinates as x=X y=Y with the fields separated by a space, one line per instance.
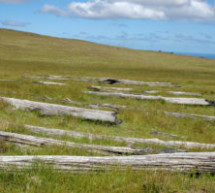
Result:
x=183 y=101
x=183 y=115
x=50 y=77
x=173 y=92
x=123 y=81
x=104 y=89
x=7 y=80
x=40 y=141
x=151 y=91
x=181 y=162
x=49 y=83
x=98 y=105
x=54 y=109
x=100 y=88
x=184 y=93
x=128 y=140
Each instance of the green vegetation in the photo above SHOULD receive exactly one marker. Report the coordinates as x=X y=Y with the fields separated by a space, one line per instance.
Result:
x=30 y=54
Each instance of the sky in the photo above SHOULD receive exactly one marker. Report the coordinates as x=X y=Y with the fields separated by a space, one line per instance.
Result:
x=186 y=26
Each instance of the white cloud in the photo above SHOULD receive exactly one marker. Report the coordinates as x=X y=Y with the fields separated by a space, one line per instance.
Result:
x=14 y=23
x=158 y=2
x=195 y=10
x=13 y=1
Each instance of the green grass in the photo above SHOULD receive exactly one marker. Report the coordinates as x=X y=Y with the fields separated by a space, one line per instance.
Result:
x=30 y=54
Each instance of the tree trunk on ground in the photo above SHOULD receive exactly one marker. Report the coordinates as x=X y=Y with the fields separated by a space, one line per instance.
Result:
x=182 y=162
x=54 y=109
x=123 y=81
x=182 y=101
x=40 y=141
x=49 y=83
x=128 y=140
x=178 y=115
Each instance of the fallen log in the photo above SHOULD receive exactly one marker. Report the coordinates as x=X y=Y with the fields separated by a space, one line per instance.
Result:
x=123 y=81
x=49 y=77
x=49 y=83
x=7 y=80
x=183 y=115
x=40 y=141
x=128 y=140
x=54 y=109
x=181 y=162
x=151 y=91
x=173 y=93
x=183 y=101
x=184 y=93
x=98 y=105
x=104 y=89
x=100 y=88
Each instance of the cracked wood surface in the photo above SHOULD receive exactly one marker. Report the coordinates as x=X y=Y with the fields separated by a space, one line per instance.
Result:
x=55 y=109
x=41 y=141
x=128 y=140
x=182 y=162
x=182 y=101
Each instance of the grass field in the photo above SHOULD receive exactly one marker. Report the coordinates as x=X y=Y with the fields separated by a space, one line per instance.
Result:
x=30 y=54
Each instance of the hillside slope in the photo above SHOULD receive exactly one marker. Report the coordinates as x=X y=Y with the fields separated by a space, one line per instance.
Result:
x=39 y=54
x=34 y=55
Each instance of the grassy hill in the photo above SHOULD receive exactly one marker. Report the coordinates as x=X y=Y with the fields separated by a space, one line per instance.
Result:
x=30 y=54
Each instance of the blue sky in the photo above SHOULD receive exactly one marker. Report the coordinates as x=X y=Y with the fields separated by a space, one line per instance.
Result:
x=167 y=25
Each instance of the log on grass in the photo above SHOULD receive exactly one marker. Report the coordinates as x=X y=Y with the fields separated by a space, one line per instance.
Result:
x=184 y=93
x=100 y=88
x=49 y=83
x=49 y=77
x=123 y=81
x=183 y=101
x=54 y=109
x=180 y=162
x=183 y=115
x=40 y=141
x=128 y=140
x=98 y=105
x=173 y=93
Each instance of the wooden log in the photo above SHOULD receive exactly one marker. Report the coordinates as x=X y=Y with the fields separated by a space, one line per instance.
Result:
x=54 y=109
x=180 y=162
x=173 y=93
x=50 y=77
x=183 y=101
x=49 y=83
x=123 y=81
x=40 y=141
x=96 y=106
x=104 y=89
x=7 y=80
x=128 y=140
x=183 y=115
x=100 y=88
x=151 y=91
x=184 y=93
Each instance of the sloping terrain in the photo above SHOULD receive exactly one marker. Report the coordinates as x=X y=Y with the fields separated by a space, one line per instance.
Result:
x=28 y=61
